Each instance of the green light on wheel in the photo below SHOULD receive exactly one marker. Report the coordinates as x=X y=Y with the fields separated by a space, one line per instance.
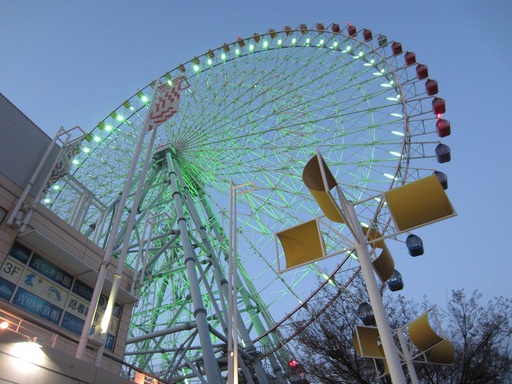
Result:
x=86 y=150
x=196 y=67
x=209 y=61
x=279 y=42
x=97 y=139
x=265 y=44
x=75 y=161
x=108 y=128
x=251 y=47
x=119 y=118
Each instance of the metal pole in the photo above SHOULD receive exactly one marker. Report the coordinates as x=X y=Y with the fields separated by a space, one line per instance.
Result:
x=210 y=362
x=361 y=245
x=34 y=177
x=232 y=297
x=112 y=239
x=407 y=357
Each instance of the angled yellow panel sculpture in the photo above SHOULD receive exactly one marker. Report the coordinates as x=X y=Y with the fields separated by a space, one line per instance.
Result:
x=384 y=265
x=301 y=244
x=439 y=350
x=419 y=203
x=366 y=342
x=312 y=178
x=442 y=353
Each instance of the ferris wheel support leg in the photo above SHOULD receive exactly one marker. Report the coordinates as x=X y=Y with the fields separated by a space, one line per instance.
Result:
x=360 y=243
x=210 y=362
x=255 y=315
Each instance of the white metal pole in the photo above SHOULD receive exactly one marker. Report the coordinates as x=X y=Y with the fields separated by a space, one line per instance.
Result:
x=407 y=356
x=232 y=361
x=34 y=177
x=124 y=250
x=111 y=240
x=361 y=245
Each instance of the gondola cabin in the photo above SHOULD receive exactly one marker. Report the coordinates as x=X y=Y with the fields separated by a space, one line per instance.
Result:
x=395 y=282
x=365 y=313
x=414 y=245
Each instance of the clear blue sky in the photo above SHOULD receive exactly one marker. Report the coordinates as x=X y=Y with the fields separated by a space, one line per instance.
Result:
x=68 y=63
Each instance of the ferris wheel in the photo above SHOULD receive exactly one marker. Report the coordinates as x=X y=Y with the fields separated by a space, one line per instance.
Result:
x=251 y=115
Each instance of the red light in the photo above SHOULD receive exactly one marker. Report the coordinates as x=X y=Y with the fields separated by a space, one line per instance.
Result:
x=293 y=363
x=439 y=115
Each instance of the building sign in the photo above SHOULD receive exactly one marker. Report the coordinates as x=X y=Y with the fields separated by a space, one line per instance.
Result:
x=36 y=285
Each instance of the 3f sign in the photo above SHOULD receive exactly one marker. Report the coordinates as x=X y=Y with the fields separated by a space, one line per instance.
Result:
x=11 y=269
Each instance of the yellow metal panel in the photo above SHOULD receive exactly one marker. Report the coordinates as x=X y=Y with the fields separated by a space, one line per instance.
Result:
x=366 y=342
x=442 y=353
x=301 y=244
x=384 y=265
x=312 y=175
x=419 y=203
x=328 y=205
x=312 y=178
x=422 y=335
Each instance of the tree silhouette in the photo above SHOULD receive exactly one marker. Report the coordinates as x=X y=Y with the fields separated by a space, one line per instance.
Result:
x=480 y=335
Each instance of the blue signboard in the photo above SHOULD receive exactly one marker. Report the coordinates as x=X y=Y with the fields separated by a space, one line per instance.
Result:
x=6 y=289
x=51 y=271
x=20 y=252
x=38 y=286
x=72 y=323
x=39 y=307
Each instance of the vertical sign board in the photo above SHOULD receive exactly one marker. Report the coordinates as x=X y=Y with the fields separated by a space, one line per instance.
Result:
x=36 y=285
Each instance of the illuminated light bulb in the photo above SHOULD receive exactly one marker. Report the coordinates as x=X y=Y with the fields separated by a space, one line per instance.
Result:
x=75 y=161
x=86 y=150
x=308 y=40
x=209 y=61
x=237 y=51
x=223 y=56
x=56 y=187
x=382 y=70
x=144 y=99
x=321 y=42
x=265 y=44
x=395 y=153
x=108 y=128
x=397 y=133
x=396 y=114
x=46 y=201
x=279 y=42
x=196 y=67
x=294 y=40
x=335 y=44
x=251 y=47
x=97 y=139
x=349 y=48
x=4 y=325
x=120 y=118
x=389 y=176
x=360 y=54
